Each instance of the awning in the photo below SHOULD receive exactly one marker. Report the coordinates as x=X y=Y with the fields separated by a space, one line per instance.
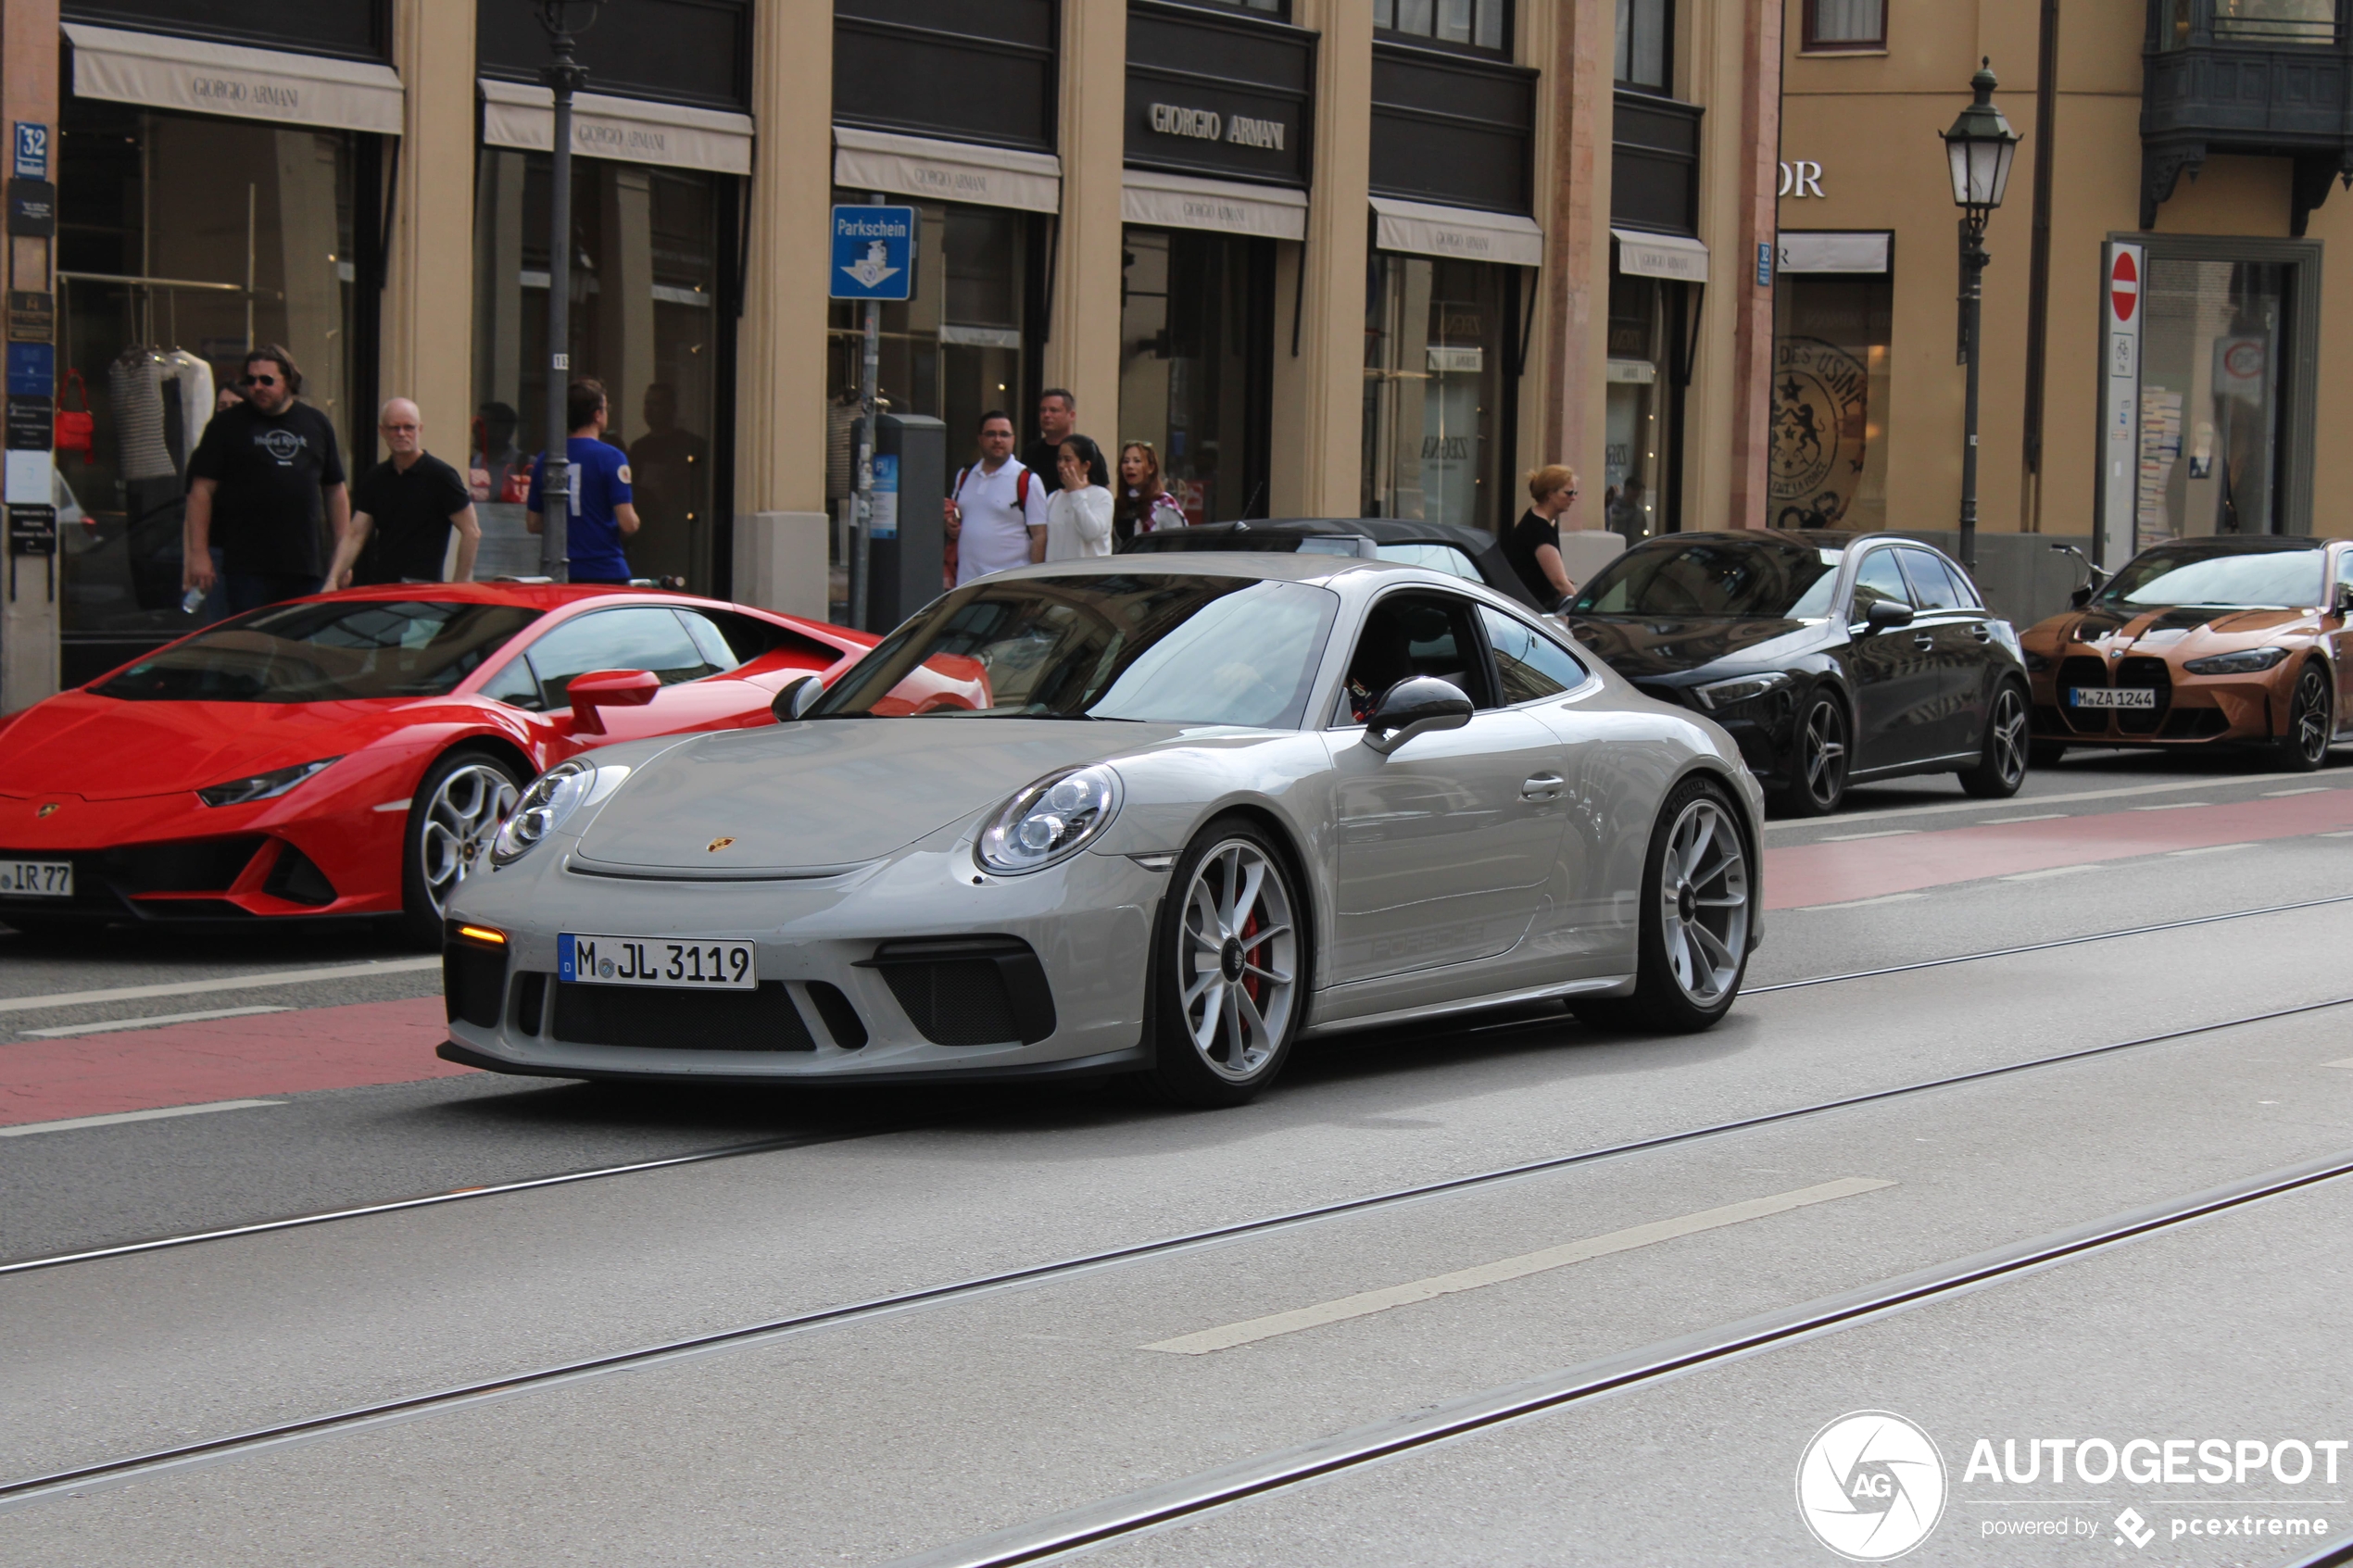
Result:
x=631 y=130
x=1644 y=255
x=955 y=171
x=1419 y=229
x=1179 y=201
x=1818 y=252
x=229 y=78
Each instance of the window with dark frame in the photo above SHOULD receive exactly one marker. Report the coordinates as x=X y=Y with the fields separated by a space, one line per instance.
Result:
x=1484 y=25
x=1646 y=45
x=1835 y=25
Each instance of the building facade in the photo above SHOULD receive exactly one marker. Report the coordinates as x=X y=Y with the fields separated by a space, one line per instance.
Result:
x=1329 y=257
x=2160 y=303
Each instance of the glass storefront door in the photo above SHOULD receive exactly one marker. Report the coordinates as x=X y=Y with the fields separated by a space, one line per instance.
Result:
x=2213 y=344
x=1830 y=334
x=1642 y=453
x=165 y=217
x=647 y=321
x=1437 y=354
x=1196 y=334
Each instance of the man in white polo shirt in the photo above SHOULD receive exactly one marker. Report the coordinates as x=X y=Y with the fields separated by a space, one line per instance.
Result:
x=996 y=510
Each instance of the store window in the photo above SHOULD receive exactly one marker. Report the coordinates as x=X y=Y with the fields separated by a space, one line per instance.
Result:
x=2250 y=21
x=647 y=321
x=1195 y=341
x=1640 y=452
x=1435 y=358
x=1832 y=25
x=2213 y=345
x=1646 y=45
x=1829 y=465
x=1477 y=24
x=181 y=241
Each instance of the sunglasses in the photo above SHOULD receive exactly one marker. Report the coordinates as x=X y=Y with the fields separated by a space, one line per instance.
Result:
x=256 y=381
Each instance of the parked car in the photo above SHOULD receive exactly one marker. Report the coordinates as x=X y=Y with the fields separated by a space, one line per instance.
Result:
x=2202 y=642
x=1204 y=805
x=1830 y=658
x=1467 y=553
x=342 y=755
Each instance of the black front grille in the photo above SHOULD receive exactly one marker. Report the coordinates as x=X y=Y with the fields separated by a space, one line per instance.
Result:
x=531 y=1001
x=2144 y=674
x=841 y=1019
x=297 y=879
x=969 y=990
x=473 y=978
x=202 y=865
x=2196 y=723
x=666 y=1018
x=2091 y=673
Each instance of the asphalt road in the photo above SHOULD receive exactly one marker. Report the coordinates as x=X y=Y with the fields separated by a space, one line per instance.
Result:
x=1829 y=1137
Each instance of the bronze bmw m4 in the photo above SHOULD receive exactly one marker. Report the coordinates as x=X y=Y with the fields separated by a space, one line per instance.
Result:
x=2204 y=643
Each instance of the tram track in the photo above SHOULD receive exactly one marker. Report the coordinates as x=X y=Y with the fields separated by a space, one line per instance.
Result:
x=779 y=1145
x=359 y=1418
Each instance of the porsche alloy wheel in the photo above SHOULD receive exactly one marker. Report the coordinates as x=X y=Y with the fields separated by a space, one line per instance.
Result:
x=2001 y=764
x=463 y=798
x=1693 y=943
x=2310 y=722
x=1818 y=762
x=1233 y=970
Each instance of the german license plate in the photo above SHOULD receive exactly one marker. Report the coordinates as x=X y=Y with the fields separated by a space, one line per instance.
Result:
x=2112 y=697
x=36 y=879
x=655 y=960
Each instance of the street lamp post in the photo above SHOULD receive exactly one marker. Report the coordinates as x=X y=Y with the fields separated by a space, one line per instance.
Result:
x=1979 y=145
x=564 y=76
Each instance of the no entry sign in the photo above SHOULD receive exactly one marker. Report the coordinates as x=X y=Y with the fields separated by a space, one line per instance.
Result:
x=2124 y=285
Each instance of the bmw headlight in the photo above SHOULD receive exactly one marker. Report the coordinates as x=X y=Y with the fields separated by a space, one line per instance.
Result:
x=1052 y=820
x=261 y=787
x=554 y=797
x=2246 y=661
x=2036 y=663
x=1718 y=696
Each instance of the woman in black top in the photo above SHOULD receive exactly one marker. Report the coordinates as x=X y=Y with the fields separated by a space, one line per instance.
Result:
x=1533 y=545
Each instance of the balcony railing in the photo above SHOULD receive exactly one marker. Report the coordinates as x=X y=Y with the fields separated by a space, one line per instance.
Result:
x=2261 y=22
x=2261 y=77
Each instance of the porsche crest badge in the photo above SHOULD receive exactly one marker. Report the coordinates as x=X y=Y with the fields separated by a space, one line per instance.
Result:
x=719 y=844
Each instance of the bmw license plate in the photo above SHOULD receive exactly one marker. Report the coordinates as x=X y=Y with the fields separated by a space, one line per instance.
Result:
x=36 y=879
x=2112 y=697
x=655 y=960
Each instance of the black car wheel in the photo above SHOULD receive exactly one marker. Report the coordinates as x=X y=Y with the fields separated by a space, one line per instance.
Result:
x=463 y=798
x=1818 y=760
x=2312 y=720
x=2001 y=762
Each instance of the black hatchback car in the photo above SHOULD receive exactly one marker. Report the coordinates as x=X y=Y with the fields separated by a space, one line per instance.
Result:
x=1830 y=658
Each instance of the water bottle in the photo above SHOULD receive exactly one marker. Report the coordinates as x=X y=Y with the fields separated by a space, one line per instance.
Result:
x=192 y=601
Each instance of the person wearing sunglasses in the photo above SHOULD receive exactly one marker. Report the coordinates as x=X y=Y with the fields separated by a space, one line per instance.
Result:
x=266 y=475
x=1533 y=545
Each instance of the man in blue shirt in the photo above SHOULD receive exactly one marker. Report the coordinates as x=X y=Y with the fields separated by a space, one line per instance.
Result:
x=601 y=513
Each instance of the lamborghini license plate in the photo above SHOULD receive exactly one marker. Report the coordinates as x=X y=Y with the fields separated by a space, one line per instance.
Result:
x=36 y=879
x=655 y=960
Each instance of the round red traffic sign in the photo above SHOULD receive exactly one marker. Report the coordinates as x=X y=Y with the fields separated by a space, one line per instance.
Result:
x=2124 y=285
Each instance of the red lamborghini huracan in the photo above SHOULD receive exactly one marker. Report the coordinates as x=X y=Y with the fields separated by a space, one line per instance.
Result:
x=342 y=755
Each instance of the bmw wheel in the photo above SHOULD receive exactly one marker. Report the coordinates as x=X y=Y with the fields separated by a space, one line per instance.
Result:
x=1816 y=764
x=2310 y=722
x=1231 y=977
x=465 y=796
x=2001 y=761
x=1695 y=918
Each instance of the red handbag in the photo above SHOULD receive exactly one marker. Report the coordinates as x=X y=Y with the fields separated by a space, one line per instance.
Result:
x=77 y=428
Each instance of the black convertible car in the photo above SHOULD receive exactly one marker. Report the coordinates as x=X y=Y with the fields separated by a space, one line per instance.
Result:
x=1831 y=658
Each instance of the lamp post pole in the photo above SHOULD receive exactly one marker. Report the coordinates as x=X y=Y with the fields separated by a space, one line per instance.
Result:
x=1980 y=146
x=564 y=76
x=1973 y=260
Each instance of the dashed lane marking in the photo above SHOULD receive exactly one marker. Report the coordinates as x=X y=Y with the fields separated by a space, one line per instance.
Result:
x=2036 y=800
x=2171 y=805
x=1877 y=833
x=121 y=1116
x=151 y=1021
x=2308 y=789
x=230 y=983
x=2054 y=870
x=1370 y=1301
x=2037 y=817
x=2207 y=850
x=1863 y=903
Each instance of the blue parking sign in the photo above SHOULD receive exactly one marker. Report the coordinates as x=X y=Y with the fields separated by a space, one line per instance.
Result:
x=874 y=256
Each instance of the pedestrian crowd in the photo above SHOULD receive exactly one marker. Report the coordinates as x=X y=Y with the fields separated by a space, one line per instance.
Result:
x=1056 y=501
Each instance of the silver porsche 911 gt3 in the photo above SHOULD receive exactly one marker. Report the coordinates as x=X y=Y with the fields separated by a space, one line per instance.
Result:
x=1146 y=816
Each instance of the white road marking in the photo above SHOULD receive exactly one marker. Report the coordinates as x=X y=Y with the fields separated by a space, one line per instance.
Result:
x=2035 y=800
x=2308 y=789
x=200 y=987
x=148 y=1020
x=2037 y=817
x=2346 y=832
x=2348 y=1063
x=2170 y=805
x=1368 y=1302
x=119 y=1116
x=2055 y=871
x=1861 y=903
x=2207 y=850
x=1877 y=832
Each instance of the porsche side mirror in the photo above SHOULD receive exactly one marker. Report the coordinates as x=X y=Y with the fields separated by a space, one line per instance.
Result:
x=1886 y=615
x=608 y=688
x=795 y=697
x=1420 y=705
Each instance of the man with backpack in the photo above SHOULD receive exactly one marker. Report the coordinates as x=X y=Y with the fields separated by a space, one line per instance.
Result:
x=996 y=509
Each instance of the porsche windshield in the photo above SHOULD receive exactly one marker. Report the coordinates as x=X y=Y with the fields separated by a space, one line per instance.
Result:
x=1770 y=578
x=1157 y=646
x=325 y=652
x=2258 y=579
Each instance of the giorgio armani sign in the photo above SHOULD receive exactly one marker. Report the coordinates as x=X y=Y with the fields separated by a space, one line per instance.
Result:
x=1223 y=94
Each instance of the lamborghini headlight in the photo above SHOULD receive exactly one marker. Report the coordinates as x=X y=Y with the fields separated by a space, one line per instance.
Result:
x=261 y=787
x=1051 y=821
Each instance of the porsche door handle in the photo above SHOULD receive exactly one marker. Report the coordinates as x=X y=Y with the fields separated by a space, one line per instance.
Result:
x=1543 y=786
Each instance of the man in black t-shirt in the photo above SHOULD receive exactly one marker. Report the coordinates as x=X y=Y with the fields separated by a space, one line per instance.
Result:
x=402 y=511
x=255 y=483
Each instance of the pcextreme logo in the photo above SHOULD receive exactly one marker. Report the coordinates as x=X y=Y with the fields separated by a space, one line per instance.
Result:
x=1870 y=1485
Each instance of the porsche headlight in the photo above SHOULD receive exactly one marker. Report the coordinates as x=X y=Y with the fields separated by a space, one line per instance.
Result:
x=261 y=787
x=2246 y=661
x=554 y=797
x=1718 y=696
x=1049 y=820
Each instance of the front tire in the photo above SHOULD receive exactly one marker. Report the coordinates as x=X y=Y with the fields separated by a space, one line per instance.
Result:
x=2001 y=761
x=1229 y=988
x=2311 y=720
x=1818 y=760
x=1695 y=919
x=465 y=795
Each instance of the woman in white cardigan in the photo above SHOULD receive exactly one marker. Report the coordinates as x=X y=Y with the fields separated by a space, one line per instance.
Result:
x=1078 y=515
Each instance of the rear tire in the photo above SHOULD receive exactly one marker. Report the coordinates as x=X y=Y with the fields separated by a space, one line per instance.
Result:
x=2311 y=720
x=1229 y=984
x=1818 y=761
x=1695 y=918
x=464 y=796
x=2002 y=758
